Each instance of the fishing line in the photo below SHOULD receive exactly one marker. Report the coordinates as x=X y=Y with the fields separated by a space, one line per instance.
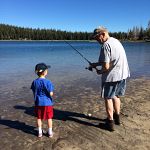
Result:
x=78 y=52
x=89 y=68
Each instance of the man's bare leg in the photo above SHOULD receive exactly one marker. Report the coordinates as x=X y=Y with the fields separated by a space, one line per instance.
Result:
x=109 y=108
x=109 y=111
x=116 y=104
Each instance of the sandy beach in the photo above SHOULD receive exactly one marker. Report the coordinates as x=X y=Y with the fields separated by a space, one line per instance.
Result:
x=73 y=128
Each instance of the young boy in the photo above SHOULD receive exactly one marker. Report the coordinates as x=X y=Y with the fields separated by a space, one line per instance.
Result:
x=43 y=92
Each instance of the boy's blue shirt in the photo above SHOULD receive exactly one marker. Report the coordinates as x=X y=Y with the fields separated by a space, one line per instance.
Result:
x=41 y=88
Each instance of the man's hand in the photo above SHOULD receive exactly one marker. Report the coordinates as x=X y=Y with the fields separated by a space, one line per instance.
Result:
x=94 y=65
x=99 y=72
x=91 y=66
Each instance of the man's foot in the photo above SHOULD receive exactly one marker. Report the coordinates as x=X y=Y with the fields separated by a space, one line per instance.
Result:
x=116 y=118
x=110 y=125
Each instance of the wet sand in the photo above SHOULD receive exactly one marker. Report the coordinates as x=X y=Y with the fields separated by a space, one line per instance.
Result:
x=73 y=129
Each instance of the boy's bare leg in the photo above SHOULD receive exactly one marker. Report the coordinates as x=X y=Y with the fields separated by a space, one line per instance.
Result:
x=49 y=123
x=39 y=124
x=50 y=132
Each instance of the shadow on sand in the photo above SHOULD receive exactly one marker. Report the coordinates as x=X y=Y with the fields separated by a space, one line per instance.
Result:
x=63 y=115
x=19 y=126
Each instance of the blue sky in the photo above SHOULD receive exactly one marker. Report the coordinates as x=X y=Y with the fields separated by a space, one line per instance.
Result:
x=76 y=15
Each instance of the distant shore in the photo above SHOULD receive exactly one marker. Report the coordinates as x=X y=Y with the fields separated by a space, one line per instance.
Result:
x=47 y=40
x=70 y=40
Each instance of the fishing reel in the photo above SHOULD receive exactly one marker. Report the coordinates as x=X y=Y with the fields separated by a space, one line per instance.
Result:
x=90 y=68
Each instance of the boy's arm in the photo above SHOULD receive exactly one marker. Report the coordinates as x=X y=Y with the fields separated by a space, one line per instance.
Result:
x=50 y=88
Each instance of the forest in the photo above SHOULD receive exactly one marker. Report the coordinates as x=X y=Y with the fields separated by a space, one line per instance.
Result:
x=11 y=32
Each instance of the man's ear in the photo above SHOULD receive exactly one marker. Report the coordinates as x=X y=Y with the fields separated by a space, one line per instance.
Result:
x=103 y=34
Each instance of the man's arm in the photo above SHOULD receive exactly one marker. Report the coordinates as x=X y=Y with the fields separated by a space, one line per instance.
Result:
x=105 y=68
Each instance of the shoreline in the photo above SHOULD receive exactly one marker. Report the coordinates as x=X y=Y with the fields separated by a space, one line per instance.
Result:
x=44 y=40
x=72 y=127
x=92 y=41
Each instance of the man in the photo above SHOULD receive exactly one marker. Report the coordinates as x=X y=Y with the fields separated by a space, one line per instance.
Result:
x=114 y=72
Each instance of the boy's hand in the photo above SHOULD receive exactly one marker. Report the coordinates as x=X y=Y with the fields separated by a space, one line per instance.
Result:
x=51 y=93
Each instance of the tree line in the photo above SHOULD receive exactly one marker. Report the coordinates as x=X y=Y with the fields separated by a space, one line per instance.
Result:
x=10 y=32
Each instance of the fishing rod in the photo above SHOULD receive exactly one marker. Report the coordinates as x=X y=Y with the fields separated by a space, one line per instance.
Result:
x=90 y=68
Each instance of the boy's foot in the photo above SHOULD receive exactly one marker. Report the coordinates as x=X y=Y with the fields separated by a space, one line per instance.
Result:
x=116 y=118
x=110 y=125
x=50 y=135
x=40 y=135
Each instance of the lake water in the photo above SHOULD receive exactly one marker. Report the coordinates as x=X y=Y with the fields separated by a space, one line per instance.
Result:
x=18 y=59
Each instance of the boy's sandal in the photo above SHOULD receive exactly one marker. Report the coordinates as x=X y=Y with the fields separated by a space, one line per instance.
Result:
x=40 y=135
x=50 y=135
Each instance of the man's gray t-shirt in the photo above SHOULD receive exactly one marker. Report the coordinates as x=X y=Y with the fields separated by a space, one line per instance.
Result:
x=113 y=52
